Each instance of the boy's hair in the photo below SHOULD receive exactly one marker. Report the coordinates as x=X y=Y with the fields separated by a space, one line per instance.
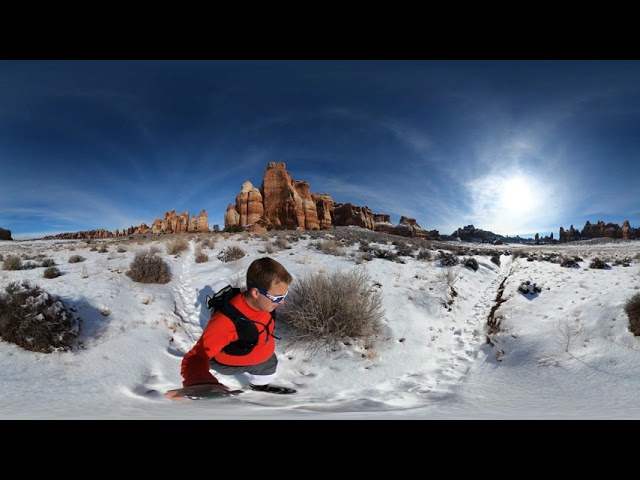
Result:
x=265 y=271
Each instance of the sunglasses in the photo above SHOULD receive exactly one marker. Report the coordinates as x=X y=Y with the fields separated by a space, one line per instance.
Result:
x=277 y=299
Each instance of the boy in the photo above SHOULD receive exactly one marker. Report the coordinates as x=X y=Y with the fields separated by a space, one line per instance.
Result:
x=228 y=348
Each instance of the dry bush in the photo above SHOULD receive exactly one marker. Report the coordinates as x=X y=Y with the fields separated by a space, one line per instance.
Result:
x=447 y=259
x=570 y=262
x=281 y=243
x=330 y=246
x=405 y=249
x=48 y=262
x=148 y=267
x=230 y=254
x=471 y=263
x=324 y=310
x=450 y=276
x=103 y=248
x=51 y=272
x=208 y=242
x=201 y=257
x=36 y=320
x=632 y=308
x=495 y=259
x=175 y=246
x=76 y=259
x=269 y=248
x=424 y=254
x=12 y=262
x=598 y=263
x=385 y=254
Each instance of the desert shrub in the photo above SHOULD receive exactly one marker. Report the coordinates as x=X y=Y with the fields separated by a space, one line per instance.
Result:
x=229 y=254
x=365 y=257
x=269 y=248
x=495 y=259
x=281 y=243
x=121 y=249
x=324 y=309
x=528 y=288
x=76 y=259
x=632 y=308
x=103 y=248
x=51 y=272
x=405 y=250
x=625 y=262
x=570 y=262
x=447 y=259
x=598 y=263
x=208 y=242
x=449 y=276
x=424 y=254
x=48 y=262
x=12 y=262
x=201 y=257
x=471 y=263
x=177 y=245
x=386 y=254
x=330 y=246
x=35 y=320
x=148 y=267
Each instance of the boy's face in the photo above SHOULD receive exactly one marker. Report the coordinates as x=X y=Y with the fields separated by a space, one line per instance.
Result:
x=268 y=301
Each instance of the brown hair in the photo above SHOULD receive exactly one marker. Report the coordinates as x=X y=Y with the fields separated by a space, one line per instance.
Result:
x=265 y=271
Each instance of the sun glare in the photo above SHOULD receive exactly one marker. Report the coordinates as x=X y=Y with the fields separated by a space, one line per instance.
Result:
x=517 y=194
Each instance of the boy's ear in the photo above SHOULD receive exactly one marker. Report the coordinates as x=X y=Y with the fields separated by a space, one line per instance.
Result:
x=253 y=291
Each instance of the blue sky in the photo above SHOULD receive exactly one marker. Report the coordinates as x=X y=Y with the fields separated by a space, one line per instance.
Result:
x=513 y=147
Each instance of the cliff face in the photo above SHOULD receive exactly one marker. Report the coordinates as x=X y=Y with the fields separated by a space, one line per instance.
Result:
x=171 y=223
x=283 y=203
x=5 y=234
x=600 y=230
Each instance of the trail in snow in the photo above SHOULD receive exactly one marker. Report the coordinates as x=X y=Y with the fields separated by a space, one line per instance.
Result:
x=189 y=328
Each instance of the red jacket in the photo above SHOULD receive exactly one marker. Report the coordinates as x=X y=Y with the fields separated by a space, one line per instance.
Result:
x=219 y=332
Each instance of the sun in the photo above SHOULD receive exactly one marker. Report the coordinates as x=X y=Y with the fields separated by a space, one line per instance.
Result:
x=517 y=195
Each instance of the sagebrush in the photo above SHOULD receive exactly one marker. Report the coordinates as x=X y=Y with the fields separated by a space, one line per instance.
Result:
x=326 y=309
x=35 y=320
x=149 y=267
x=632 y=308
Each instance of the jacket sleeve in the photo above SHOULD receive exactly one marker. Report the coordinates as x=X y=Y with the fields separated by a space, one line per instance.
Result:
x=195 y=365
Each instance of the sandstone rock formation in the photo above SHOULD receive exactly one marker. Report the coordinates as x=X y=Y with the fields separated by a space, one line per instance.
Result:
x=178 y=223
x=171 y=223
x=324 y=206
x=283 y=203
x=5 y=234
x=600 y=230
x=347 y=214
x=408 y=227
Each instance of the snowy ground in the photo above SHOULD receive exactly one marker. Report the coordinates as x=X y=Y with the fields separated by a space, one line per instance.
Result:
x=565 y=352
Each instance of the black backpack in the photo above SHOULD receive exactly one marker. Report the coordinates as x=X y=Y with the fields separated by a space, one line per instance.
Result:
x=247 y=329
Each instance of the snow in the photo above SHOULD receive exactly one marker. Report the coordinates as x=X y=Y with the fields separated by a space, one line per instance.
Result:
x=487 y=351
